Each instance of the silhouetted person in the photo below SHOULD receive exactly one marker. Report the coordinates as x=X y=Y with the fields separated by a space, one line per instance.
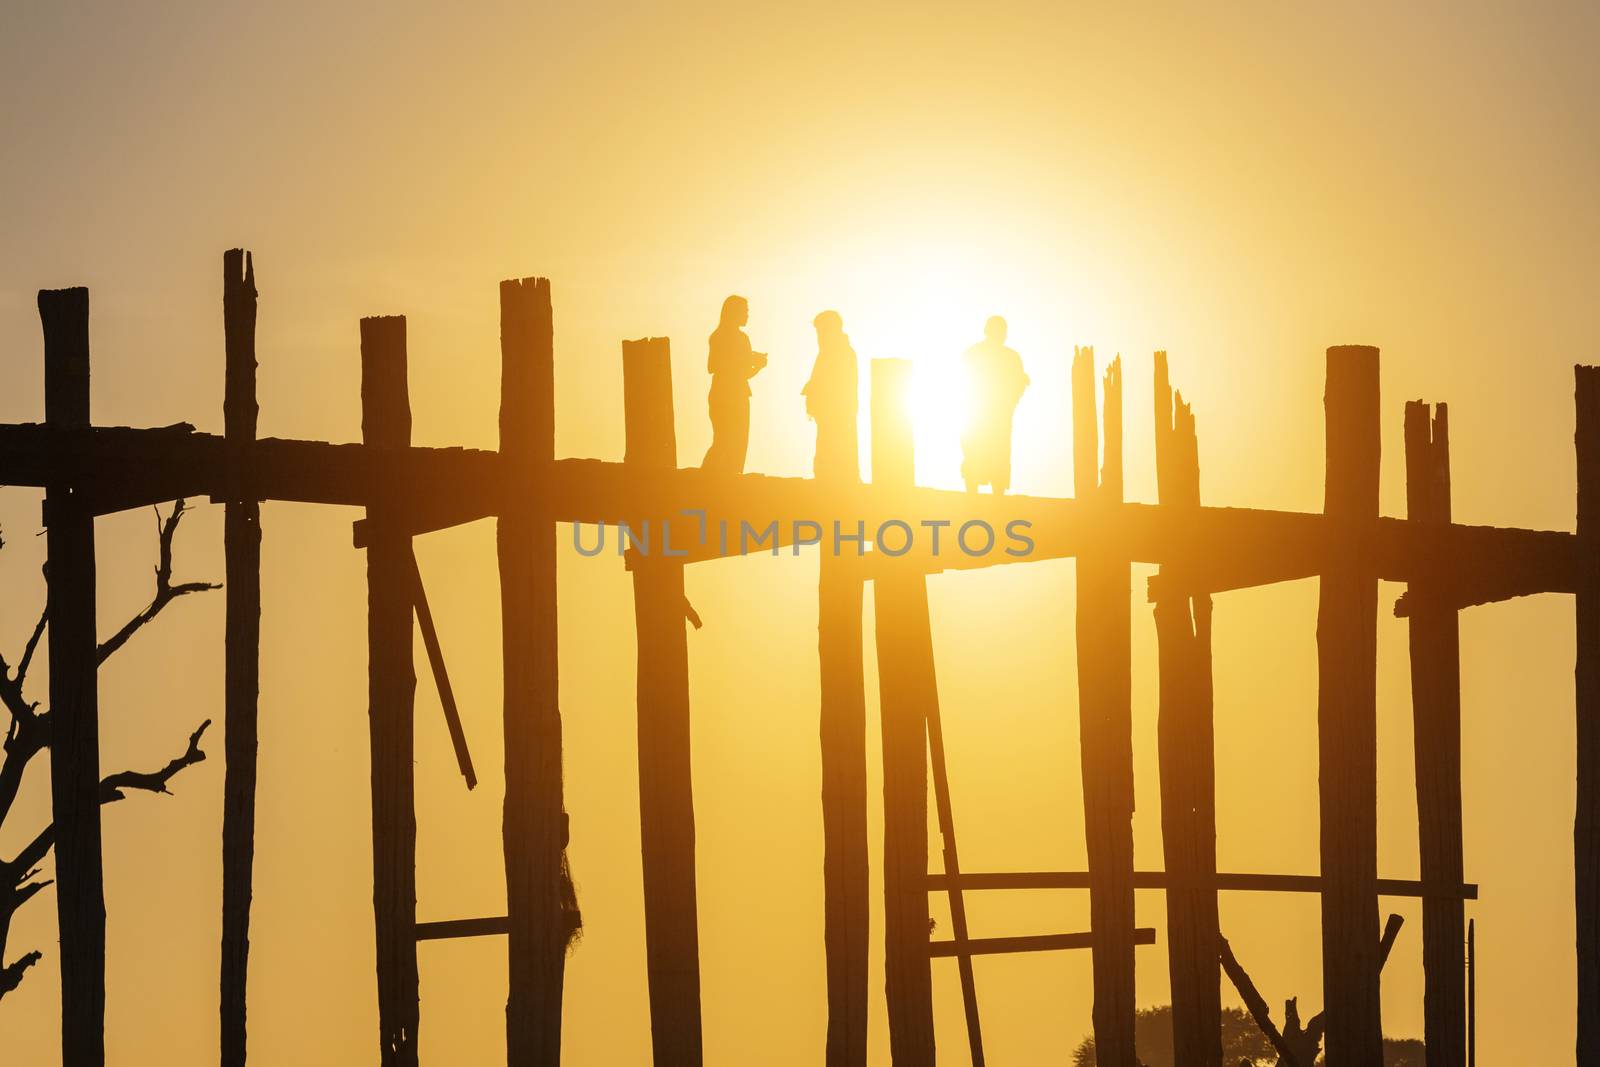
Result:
x=831 y=397
x=995 y=382
x=732 y=364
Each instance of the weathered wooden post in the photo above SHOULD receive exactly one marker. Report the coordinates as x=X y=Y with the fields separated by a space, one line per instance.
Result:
x=1586 y=826
x=1347 y=636
x=1105 y=721
x=843 y=733
x=391 y=692
x=1186 y=742
x=907 y=690
x=242 y=669
x=534 y=823
x=74 y=700
x=1436 y=711
x=666 y=792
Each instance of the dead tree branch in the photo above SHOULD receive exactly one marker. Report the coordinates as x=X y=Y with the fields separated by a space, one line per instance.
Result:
x=1296 y=1046
x=11 y=974
x=1255 y=1003
x=165 y=593
x=28 y=734
x=111 y=790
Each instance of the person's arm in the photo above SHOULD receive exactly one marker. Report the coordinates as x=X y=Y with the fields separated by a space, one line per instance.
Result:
x=754 y=361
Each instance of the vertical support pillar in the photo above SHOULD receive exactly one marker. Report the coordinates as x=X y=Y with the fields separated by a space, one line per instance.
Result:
x=1436 y=711
x=1105 y=721
x=1186 y=742
x=844 y=779
x=242 y=547
x=666 y=792
x=1347 y=636
x=1586 y=826
x=907 y=692
x=542 y=914
x=74 y=700
x=391 y=693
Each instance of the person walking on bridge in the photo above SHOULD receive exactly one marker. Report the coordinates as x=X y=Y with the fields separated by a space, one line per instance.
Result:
x=995 y=383
x=731 y=364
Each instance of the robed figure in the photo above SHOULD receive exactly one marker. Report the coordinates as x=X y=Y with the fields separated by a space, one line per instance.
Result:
x=731 y=364
x=831 y=399
x=995 y=382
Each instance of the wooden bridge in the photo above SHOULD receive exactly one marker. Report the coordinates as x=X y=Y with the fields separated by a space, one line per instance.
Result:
x=88 y=471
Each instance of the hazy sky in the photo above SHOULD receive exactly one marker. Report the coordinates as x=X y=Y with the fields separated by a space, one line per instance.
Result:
x=1242 y=188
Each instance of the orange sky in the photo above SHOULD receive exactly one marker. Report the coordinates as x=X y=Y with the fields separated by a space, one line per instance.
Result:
x=1242 y=189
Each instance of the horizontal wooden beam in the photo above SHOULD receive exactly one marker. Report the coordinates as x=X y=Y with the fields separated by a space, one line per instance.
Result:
x=989 y=946
x=446 y=928
x=457 y=482
x=1249 y=883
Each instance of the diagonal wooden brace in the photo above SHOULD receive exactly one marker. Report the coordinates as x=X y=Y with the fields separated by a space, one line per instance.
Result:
x=441 y=677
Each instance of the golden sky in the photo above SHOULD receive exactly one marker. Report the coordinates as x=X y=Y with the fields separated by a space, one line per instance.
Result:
x=1242 y=188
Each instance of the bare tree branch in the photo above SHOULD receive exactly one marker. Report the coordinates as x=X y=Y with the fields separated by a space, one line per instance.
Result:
x=1255 y=1003
x=33 y=643
x=28 y=733
x=27 y=889
x=27 y=737
x=165 y=593
x=1295 y=1045
x=11 y=974
x=111 y=789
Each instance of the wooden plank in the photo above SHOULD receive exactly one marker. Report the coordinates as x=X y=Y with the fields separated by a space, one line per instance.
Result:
x=843 y=734
x=391 y=694
x=443 y=929
x=666 y=791
x=1586 y=826
x=441 y=677
x=74 y=699
x=1231 y=881
x=1347 y=721
x=241 y=538
x=541 y=905
x=907 y=689
x=462 y=484
x=952 y=867
x=1105 y=720
x=1186 y=748
x=1435 y=644
x=989 y=946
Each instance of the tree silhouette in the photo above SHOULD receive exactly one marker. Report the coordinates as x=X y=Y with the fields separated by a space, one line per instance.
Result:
x=1243 y=1044
x=28 y=734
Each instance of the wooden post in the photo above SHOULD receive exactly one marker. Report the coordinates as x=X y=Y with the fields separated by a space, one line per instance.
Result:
x=1472 y=994
x=242 y=547
x=1105 y=722
x=1347 y=636
x=844 y=784
x=907 y=690
x=74 y=701
x=666 y=791
x=1186 y=742
x=391 y=691
x=1436 y=711
x=1586 y=826
x=533 y=829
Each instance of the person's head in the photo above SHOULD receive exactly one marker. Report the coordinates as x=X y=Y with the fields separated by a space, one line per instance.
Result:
x=735 y=311
x=829 y=324
x=995 y=330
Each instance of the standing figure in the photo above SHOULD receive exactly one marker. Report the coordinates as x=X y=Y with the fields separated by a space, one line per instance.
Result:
x=732 y=364
x=831 y=398
x=995 y=382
